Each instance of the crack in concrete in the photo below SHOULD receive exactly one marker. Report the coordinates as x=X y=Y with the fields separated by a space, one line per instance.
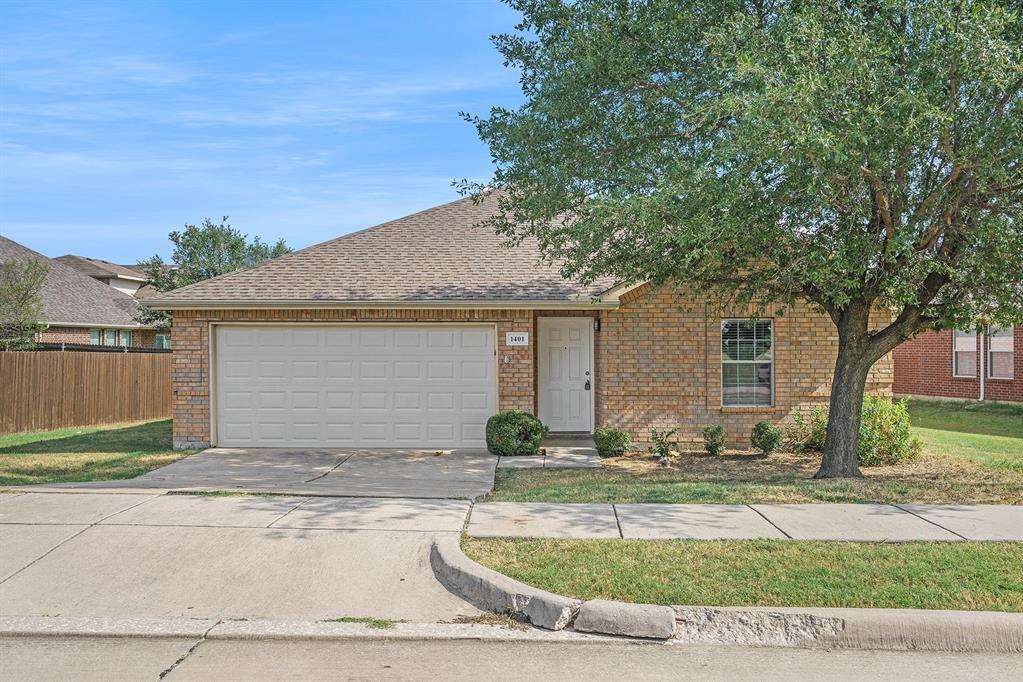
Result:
x=67 y=540
x=331 y=470
x=933 y=523
x=188 y=653
x=761 y=515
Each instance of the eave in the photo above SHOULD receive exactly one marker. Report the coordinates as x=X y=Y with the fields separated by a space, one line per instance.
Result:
x=487 y=304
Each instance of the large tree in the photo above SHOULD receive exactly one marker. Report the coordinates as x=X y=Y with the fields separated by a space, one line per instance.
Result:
x=864 y=155
x=200 y=252
x=21 y=304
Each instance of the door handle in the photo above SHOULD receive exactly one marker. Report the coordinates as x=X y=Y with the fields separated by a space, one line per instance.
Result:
x=586 y=386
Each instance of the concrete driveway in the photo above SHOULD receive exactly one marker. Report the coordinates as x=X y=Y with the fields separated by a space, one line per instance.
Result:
x=137 y=555
x=352 y=473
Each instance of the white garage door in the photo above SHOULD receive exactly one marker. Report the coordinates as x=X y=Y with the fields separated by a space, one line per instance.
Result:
x=354 y=386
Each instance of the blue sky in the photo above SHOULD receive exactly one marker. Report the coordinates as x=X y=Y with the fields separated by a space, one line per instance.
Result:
x=120 y=122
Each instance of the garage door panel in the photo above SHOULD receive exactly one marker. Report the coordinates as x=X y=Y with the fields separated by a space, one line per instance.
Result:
x=354 y=386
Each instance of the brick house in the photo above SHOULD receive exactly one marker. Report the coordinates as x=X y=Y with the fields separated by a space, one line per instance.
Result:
x=962 y=364
x=412 y=333
x=78 y=309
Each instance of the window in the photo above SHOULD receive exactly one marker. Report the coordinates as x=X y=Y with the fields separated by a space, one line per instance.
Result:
x=126 y=337
x=999 y=353
x=96 y=337
x=110 y=337
x=746 y=363
x=964 y=353
x=162 y=341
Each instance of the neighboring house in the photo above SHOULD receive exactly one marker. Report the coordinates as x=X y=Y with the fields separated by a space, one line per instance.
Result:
x=127 y=279
x=77 y=309
x=414 y=332
x=962 y=364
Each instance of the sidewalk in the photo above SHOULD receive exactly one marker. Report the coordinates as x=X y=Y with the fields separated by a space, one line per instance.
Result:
x=843 y=522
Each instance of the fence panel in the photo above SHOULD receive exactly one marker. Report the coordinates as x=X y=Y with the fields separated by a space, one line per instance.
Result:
x=55 y=390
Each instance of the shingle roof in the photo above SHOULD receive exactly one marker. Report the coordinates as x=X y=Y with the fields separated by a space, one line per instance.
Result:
x=436 y=255
x=69 y=297
x=95 y=267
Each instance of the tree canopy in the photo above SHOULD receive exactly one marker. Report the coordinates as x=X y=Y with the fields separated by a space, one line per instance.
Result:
x=858 y=154
x=21 y=304
x=201 y=252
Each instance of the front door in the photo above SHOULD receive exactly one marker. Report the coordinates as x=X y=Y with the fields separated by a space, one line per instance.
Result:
x=565 y=378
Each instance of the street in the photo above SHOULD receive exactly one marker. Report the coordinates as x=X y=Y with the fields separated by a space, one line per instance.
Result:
x=110 y=659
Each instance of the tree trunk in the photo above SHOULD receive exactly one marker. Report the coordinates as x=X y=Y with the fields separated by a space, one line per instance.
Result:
x=847 y=390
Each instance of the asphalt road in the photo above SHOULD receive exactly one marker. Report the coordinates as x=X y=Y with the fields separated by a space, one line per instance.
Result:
x=110 y=659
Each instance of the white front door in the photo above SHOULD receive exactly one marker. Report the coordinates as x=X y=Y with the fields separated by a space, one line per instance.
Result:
x=565 y=377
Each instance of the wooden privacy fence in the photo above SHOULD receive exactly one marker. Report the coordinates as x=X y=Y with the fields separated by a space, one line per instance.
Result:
x=54 y=390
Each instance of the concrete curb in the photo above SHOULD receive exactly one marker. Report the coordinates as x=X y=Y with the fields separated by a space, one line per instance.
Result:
x=879 y=629
x=491 y=591
x=60 y=626
x=882 y=629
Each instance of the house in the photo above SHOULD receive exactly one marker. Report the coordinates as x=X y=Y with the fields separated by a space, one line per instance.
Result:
x=78 y=309
x=127 y=279
x=414 y=332
x=962 y=364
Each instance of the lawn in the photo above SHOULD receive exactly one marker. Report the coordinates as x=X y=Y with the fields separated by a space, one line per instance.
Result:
x=918 y=575
x=971 y=454
x=94 y=453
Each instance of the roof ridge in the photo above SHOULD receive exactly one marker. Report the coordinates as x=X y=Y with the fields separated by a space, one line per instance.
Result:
x=289 y=256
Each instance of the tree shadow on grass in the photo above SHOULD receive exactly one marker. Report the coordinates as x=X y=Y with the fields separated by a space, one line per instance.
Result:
x=141 y=438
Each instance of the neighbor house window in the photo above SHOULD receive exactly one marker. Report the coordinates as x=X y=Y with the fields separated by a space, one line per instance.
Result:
x=999 y=353
x=96 y=337
x=964 y=353
x=126 y=337
x=162 y=341
x=110 y=337
x=747 y=359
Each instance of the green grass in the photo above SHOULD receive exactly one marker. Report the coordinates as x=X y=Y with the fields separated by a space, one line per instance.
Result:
x=374 y=623
x=917 y=575
x=971 y=454
x=94 y=453
x=990 y=435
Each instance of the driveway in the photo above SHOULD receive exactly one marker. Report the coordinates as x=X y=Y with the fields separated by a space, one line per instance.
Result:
x=144 y=555
x=461 y=474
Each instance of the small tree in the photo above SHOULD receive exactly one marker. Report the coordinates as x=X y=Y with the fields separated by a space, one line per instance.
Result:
x=21 y=305
x=201 y=252
x=861 y=155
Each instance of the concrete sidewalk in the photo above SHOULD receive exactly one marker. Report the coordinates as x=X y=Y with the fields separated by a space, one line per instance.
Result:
x=843 y=522
x=185 y=556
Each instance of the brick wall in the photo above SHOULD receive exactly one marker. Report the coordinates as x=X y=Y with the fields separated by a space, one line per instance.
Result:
x=141 y=338
x=923 y=367
x=656 y=363
x=661 y=360
x=191 y=355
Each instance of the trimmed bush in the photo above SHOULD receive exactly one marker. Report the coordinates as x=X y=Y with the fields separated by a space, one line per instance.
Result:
x=766 y=437
x=885 y=437
x=611 y=442
x=513 y=432
x=714 y=439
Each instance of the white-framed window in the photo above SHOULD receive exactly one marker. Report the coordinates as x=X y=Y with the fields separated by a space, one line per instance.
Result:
x=125 y=337
x=964 y=353
x=163 y=341
x=999 y=353
x=110 y=337
x=747 y=363
x=96 y=337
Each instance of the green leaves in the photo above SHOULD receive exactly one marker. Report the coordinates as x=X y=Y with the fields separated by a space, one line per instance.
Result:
x=867 y=152
x=202 y=252
x=21 y=305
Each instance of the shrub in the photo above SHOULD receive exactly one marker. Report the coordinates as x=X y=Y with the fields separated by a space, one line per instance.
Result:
x=766 y=437
x=660 y=442
x=513 y=432
x=714 y=439
x=808 y=433
x=885 y=437
x=611 y=442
